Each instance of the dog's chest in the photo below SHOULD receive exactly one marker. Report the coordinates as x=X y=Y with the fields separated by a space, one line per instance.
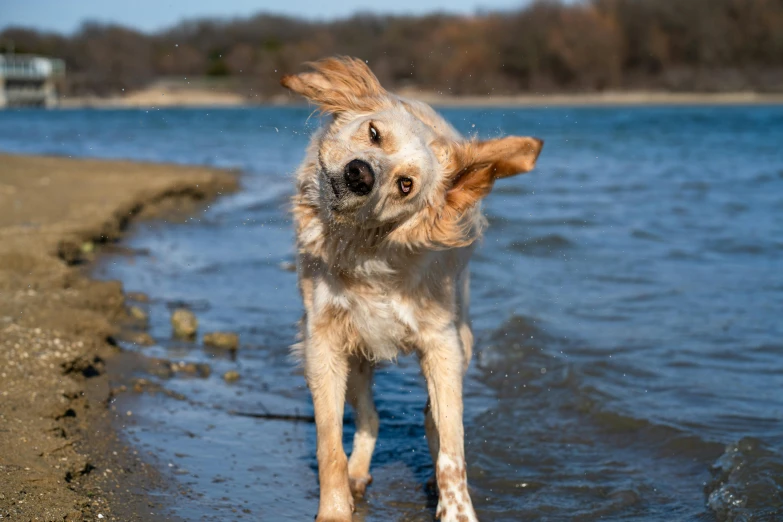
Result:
x=386 y=319
x=390 y=304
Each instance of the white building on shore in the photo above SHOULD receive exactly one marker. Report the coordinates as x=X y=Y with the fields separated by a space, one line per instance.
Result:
x=29 y=81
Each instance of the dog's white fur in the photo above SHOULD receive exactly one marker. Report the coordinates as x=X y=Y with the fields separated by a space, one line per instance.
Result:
x=386 y=272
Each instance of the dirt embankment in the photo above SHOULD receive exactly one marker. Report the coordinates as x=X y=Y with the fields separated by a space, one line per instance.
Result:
x=59 y=459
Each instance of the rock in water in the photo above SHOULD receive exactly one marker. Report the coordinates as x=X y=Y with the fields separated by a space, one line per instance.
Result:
x=139 y=297
x=160 y=368
x=224 y=340
x=138 y=314
x=202 y=370
x=137 y=338
x=231 y=376
x=184 y=323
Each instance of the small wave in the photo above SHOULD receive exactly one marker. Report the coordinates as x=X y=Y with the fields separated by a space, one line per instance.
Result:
x=747 y=483
x=609 y=316
x=633 y=187
x=771 y=349
x=622 y=279
x=678 y=254
x=643 y=234
x=733 y=246
x=645 y=297
x=520 y=347
x=197 y=305
x=735 y=208
x=766 y=177
x=696 y=185
x=543 y=246
x=556 y=222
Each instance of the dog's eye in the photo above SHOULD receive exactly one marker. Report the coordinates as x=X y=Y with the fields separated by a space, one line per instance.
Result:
x=375 y=136
x=406 y=184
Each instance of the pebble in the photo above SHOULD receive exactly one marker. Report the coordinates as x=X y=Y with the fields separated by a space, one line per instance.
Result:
x=140 y=338
x=203 y=370
x=139 y=297
x=184 y=323
x=138 y=314
x=231 y=376
x=160 y=368
x=140 y=385
x=224 y=340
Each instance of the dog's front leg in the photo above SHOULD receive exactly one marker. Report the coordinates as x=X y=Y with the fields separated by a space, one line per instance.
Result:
x=326 y=370
x=442 y=365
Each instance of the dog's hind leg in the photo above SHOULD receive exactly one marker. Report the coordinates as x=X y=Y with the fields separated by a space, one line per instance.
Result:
x=326 y=370
x=360 y=398
x=442 y=363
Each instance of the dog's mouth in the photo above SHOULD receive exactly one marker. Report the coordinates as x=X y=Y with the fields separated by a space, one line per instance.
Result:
x=342 y=203
x=335 y=187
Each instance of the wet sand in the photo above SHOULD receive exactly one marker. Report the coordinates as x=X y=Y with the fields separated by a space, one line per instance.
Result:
x=59 y=458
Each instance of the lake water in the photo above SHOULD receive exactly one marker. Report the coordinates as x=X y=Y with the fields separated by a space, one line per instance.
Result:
x=627 y=303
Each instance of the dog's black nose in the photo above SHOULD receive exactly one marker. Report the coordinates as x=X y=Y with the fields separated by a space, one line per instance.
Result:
x=359 y=177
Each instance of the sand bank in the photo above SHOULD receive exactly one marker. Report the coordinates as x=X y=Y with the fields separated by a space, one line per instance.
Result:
x=173 y=96
x=59 y=459
x=160 y=97
x=608 y=99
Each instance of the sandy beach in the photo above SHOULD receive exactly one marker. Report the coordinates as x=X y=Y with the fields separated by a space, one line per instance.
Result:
x=601 y=99
x=168 y=95
x=59 y=459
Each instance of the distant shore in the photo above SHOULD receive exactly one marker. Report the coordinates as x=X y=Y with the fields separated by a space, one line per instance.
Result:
x=59 y=457
x=602 y=99
x=159 y=97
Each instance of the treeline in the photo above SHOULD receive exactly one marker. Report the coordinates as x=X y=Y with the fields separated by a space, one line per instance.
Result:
x=547 y=46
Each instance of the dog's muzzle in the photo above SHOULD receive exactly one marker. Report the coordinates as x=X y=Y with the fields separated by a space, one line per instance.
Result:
x=359 y=177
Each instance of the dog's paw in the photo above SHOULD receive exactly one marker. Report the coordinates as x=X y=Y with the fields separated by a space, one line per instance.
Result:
x=359 y=484
x=335 y=517
x=337 y=508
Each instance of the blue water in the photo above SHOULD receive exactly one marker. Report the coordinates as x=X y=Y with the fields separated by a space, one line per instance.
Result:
x=627 y=302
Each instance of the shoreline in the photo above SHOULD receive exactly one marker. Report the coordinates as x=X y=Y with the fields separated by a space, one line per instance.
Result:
x=60 y=459
x=610 y=99
x=184 y=98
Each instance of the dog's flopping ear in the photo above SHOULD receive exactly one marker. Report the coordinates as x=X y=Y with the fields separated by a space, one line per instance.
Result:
x=471 y=170
x=338 y=85
x=475 y=165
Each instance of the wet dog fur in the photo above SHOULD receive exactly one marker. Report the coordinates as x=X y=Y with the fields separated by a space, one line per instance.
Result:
x=387 y=212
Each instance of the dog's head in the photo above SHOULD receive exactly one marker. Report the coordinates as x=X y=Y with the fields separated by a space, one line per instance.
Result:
x=383 y=160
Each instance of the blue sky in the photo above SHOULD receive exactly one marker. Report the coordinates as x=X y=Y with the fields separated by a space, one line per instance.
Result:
x=148 y=15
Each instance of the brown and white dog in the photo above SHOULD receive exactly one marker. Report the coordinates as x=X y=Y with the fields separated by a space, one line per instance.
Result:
x=387 y=211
